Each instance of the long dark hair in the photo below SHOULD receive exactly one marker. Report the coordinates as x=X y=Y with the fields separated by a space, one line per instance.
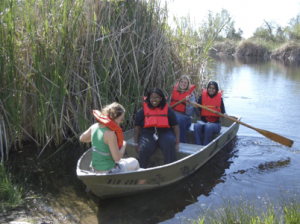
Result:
x=163 y=101
x=216 y=86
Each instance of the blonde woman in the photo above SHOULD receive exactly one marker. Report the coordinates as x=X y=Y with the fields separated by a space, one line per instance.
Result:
x=184 y=111
x=107 y=142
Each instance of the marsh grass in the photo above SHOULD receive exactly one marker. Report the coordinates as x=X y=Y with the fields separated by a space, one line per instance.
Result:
x=59 y=60
x=10 y=192
x=288 y=51
x=284 y=209
x=250 y=48
x=227 y=47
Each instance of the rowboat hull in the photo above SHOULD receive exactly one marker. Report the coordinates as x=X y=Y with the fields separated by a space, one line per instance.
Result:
x=190 y=158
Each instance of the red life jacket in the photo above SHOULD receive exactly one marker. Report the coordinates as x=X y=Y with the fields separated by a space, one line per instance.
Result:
x=156 y=117
x=105 y=120
x=212 y=103
x=177 y=96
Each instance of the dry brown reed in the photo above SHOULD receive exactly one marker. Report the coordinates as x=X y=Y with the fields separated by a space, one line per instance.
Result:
x=289 y=51
x=248 y=48
x=227 y=47
x=60 y=60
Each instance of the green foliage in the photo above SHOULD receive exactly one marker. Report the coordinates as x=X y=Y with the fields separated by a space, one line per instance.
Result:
x=213 y=23
x=60 y=60
x=190 y=48
x=293 y=29
x=242 y=210
x=262 y=33
x=10 y=193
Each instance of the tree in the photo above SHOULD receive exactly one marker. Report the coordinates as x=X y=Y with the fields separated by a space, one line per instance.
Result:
x=212 y=25
x=293 y=29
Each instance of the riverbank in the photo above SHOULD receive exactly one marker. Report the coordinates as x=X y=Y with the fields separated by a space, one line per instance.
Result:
x=285 y=209
x=247 y=48
x=239 y=210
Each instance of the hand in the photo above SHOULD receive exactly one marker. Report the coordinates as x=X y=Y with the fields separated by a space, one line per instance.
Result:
x=188 y=98
x=124 y=143
x=177 y=147
x=225 y=115
x=137 y=148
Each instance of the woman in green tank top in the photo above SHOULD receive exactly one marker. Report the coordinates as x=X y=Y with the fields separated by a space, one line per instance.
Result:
x=106 y=154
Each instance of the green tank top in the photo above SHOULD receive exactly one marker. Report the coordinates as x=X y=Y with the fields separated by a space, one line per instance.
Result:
x=101 y=155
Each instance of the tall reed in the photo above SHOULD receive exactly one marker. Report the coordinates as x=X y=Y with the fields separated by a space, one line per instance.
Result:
x=61 y=59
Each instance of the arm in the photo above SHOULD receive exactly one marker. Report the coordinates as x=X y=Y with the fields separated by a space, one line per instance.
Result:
x=138 y=124
x=197 y=109
x=177 y=135
x=189 y=109
x=87 y=135
x=170 y=99
x=136 y=137
x=110 y=139
x=174 y=125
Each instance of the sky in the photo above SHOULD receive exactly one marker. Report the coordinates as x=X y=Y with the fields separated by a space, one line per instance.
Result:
x=248 y=15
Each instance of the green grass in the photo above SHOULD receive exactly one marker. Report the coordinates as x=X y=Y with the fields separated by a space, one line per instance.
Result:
x=10 y=192
x=284 y=209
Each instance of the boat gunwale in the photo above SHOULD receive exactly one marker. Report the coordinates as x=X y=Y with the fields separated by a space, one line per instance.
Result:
x=156 y=168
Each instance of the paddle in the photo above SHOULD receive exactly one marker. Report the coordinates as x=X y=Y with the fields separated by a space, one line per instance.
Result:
x=180 y=101
x=275 y=137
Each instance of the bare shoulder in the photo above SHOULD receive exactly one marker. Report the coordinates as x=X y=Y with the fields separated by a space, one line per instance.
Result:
x=94 y=125
x=109 y=133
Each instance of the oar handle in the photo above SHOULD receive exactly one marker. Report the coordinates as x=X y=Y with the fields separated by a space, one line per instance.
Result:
x=175 y=104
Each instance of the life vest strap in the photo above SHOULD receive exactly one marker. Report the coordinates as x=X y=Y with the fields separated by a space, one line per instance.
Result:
x=155 y=115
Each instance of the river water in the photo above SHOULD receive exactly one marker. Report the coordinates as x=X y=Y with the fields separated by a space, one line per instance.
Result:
x=265 y=93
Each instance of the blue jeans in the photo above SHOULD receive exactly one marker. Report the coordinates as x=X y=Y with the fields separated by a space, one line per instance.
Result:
x=209 y=130
x=148 y=146
x=184 y=123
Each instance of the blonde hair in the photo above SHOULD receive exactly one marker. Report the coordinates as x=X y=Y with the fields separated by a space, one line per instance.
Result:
x=189 y=83
x=113 y=110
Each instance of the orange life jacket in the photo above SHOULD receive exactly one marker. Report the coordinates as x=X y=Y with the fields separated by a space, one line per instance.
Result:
x=177 y=96
x=112 y=125
x=156 y=117
x=212 y=103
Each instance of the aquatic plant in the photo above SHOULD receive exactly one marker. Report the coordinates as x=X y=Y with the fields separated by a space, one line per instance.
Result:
x=10 y=193
x=238 y=210
x=59 y=60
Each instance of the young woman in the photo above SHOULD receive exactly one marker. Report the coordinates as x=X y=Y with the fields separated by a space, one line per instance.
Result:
x=211 y=98
x=107 y=142
x=156 y=126
x=184 y=111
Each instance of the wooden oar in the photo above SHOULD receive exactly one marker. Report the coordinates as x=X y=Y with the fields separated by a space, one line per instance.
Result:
x=275 y=137
x=180 y=101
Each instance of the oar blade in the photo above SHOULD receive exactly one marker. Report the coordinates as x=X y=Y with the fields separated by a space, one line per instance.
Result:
x=275 y=137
